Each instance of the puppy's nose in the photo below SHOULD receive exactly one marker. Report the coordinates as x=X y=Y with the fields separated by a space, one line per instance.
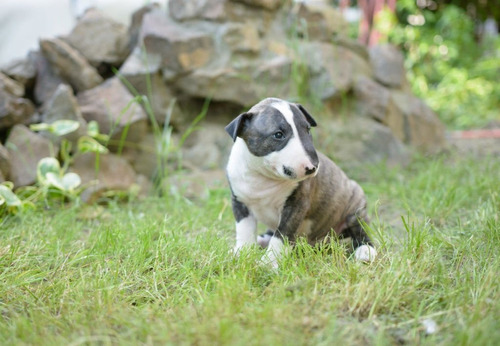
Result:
x=310 y=170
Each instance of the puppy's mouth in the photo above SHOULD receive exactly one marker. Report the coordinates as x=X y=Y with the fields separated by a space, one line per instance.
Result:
x=289 y=173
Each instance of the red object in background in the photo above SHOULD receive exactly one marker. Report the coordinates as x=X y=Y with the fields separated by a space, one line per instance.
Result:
x=473 y=134
x=367 y=33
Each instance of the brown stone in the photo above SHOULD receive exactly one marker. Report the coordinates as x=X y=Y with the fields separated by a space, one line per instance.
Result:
x=267 y=4
x=63 y=105
x=136 y=24
x=21 y=70
x=323 y=22
x=4 y=162
x=26 y=149
x=422 y=128
x=110 y=104
x=142 y=71
x=100 y=39
x=199 y=9
x=182 y=49
x=13 y=108
x=363 y=140
x=332 y=69
x=70 y=64
x=47 y=79
x=388 y=65
x=242 y=37
x=112 y=174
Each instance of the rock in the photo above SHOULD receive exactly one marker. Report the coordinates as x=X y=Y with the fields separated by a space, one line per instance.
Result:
x=13 y=108
x=4 y=163
x=10 y=86
x=422 y=128
x=143 y=156
x=388 y=65
x=233 y=84
x=100 y=39
x=142 y=71
x=21 y=70
x=362 y=140
x=242 y=37
x=26 y=149
x=182 y=49
x=63 y=105
x=199 y=9
x=374 y=101
x=47 y=79
x=114 y=174
x=197 y=184
x=207 y=148
x=332 y=69
x=110 y=104
x=136 y=24
x=322 y=21
x=70 y=64
x=267 y=4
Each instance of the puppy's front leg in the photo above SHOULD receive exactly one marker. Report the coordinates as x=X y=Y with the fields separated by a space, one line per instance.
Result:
x=291 y=218
x=246 y=225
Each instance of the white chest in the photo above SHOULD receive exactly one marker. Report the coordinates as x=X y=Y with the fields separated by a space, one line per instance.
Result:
x=263 y=196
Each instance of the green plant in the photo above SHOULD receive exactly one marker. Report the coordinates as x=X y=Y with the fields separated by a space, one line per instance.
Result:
x=447 y=66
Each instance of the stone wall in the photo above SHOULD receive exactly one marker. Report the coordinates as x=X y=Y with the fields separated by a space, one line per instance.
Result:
x=233 y=52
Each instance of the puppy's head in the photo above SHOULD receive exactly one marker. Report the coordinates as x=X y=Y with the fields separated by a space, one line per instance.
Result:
x=277 y=134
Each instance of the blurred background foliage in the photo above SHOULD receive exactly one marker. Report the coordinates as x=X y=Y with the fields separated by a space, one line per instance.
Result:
x=453 y=62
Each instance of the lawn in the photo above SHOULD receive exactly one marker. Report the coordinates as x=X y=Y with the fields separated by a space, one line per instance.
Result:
x=159 y=270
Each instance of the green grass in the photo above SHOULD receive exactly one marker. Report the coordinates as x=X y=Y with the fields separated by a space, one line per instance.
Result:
x=159 y=271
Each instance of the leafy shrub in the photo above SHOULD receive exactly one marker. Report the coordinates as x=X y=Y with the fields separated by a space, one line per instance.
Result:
x=447 y=66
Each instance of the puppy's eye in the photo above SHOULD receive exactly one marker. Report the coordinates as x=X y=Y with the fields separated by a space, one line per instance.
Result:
x=279 y=135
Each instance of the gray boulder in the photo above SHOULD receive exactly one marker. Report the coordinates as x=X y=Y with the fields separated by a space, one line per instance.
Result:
x=63 y=105
x=14 y=109
x=200 y=9
x=332 y=69
x=143 y=72
x=388 y=65
x=182 y=49
x=318 y=21
x=21 y=70
x=4 y=163
x=47 y=80
x=114 y=174
x=100 y=39
x=112 y=106
x=26 y=149
x=70 y=64
x=422 y=128
x=362 y=140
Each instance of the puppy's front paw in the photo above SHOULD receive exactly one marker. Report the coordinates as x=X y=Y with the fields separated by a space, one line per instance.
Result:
x=365 y=253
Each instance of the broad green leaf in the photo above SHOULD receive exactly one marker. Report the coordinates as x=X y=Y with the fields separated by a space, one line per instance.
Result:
x=88 y=144
x=40 y=127
x=54 y=180
x=93 y=131
x=9 y=197
x=93 y=128
x=45 y=166
x=63 y=127
x=71 y=181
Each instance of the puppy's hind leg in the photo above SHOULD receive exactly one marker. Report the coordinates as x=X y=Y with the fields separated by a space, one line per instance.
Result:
x=363 y=246
x=264 y=239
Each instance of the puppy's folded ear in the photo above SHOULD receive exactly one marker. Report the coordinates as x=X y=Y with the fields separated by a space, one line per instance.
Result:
x=308 y=116
x=234 y=127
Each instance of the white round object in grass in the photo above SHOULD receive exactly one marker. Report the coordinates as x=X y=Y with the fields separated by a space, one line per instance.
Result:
x=365 y=253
